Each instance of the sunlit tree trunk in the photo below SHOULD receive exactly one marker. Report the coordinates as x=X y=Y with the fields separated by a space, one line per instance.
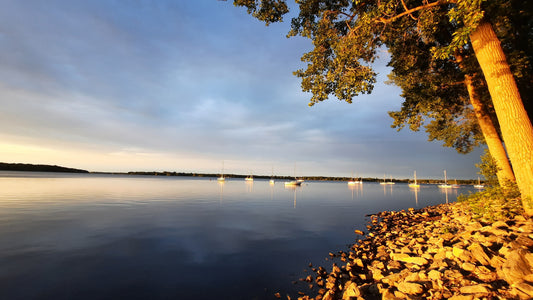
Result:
x=515 y=126
x=492 y=138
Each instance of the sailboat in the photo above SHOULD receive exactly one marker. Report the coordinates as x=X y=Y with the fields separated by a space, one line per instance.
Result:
x=455 y=185
x=391 y=182
x=272 y=176
x=479 y=185
x=221 y=178
x=383 y=182
x=414 y=184
x=445 y=185
x=249 y=178
x=295 y=182
x=354 y=181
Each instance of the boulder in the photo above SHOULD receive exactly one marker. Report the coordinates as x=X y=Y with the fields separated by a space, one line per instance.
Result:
x=516 y=267
x=410 y=288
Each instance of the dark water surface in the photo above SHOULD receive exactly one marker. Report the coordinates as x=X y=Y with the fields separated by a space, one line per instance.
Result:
x=89 y=236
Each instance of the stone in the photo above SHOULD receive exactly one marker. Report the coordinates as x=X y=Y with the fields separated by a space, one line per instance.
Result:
x=475 y=289
x=434 y=275
x=351 y=290
x=388 y=295
x=484 y=274
x=468 y=266
x=479 y=254
x=398 y=256
x=410 y=288
x=525 y=288
x=461 y=297
x=516 y=267
x=329 y=295
x=496 y=262
x=414 y=260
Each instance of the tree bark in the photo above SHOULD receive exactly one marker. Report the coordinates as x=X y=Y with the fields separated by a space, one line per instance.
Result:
x=515 y=125
x=494 y=143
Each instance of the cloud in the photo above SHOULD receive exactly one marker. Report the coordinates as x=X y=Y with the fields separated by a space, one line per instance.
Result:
x=185 y=85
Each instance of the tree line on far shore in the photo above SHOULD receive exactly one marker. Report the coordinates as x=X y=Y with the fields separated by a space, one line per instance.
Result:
x=38 y=168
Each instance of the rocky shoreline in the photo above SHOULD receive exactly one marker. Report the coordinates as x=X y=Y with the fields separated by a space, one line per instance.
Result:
x=438 y=252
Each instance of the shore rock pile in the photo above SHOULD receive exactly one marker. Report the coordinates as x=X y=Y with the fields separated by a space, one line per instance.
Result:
x=437 y=252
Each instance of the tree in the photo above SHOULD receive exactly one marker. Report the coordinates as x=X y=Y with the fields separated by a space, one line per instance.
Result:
x=444 y=91
x=346 y=35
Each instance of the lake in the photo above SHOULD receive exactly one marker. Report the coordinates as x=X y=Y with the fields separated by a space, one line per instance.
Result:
x=89 y=236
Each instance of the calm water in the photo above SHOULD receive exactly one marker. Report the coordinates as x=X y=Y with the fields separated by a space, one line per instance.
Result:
x=68 y=236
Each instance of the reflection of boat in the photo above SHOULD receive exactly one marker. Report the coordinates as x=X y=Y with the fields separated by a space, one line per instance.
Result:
x=445 y=185
x=221 y=178
x=414 y=184
x=479 y=185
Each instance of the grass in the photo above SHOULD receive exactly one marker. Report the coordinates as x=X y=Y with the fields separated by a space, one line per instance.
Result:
x=494 y=203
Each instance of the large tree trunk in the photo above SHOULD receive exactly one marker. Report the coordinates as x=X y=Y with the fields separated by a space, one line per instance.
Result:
x=494 y=143
x=516 y=128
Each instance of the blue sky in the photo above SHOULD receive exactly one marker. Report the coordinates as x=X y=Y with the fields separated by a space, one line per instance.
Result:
x=183 y=86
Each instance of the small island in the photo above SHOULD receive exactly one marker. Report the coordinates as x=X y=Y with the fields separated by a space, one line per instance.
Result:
x=38 y=168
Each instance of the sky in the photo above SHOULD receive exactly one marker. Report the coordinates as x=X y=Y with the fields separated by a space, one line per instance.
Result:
x=188 y=86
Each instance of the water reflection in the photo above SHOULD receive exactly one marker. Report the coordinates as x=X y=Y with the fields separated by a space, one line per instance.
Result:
x=385 y=187
x=356 y=189
x=415 y=189
x=294 y=189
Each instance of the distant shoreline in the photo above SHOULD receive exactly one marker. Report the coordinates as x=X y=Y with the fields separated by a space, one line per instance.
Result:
x=53 y=168
x=38 y=168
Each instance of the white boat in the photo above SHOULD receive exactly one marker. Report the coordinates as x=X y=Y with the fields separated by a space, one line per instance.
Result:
x=297 y=182
x=383 y=182
x=455 y=185
x=354 y=181
x=391 y=182
x=414 y=184
x=479 y=185
x=272 y=177
x=221 y=178
x=445 y=185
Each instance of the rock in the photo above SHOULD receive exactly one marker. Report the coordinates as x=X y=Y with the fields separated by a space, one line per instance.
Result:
x=479 y=254
x=468 y=266
x=414 y=260
x=434 y=275
x=475 y=289
x=351 y=290
x=525 y=288
x=410 y=288
x=388 y=295
x=484 y=274
x=461 y=297
x=516 y=267
x=329 y=295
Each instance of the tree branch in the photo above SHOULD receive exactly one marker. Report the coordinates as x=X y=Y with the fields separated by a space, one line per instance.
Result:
x=412 y=10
